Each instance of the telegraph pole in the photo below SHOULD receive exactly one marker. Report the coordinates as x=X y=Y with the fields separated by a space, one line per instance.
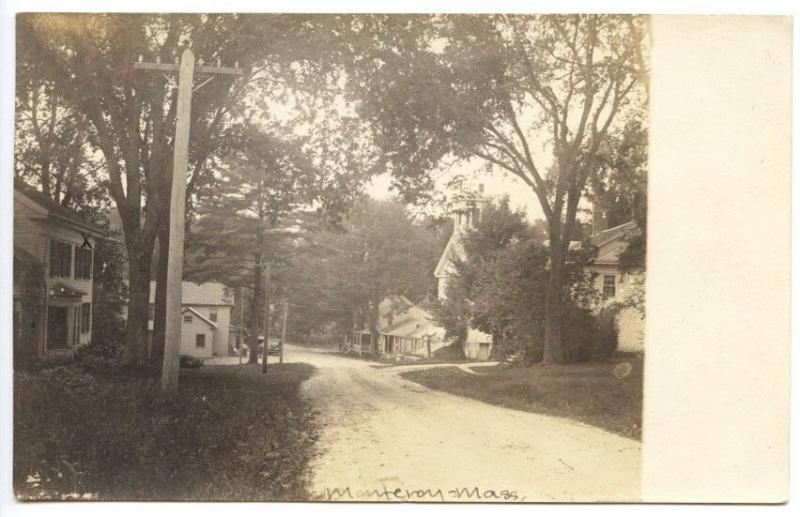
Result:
x=177 y=206
x=267 y=274
x=283 y=327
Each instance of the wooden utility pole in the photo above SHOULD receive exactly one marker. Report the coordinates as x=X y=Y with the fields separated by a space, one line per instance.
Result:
x=177 y=206
x=283 y=327
x=240 y=334
x=267 y=273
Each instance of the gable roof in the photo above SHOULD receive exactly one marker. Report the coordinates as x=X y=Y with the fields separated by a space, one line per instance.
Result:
x=409 y=320
x=207 y=293
x=454 y=249
x=202 y=318
x=610 y=243
x=56 y=211
x=612 y=234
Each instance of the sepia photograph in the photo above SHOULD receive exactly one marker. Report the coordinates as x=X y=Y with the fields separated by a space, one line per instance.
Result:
x=386 y=258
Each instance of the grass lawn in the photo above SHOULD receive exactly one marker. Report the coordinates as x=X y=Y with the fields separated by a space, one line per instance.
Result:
x=589 y=392
x=230 y=434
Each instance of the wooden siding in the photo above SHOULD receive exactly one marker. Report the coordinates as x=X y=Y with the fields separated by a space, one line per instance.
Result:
x=189 y=333
x=630 y=330
x=34 y=236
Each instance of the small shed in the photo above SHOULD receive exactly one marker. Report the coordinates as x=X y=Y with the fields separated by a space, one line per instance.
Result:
x=197 y=334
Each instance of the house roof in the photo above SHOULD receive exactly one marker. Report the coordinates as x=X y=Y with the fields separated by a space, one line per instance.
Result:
x=55 y=210
x=611 y=242
x=408 y=321
x=208 y=293
x=618 y=232
x=202 y=318
x=454 y=248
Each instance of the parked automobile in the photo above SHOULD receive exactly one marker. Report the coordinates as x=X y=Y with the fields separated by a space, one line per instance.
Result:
x=274 y=347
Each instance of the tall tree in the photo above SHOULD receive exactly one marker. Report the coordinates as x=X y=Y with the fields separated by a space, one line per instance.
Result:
x=51 y=150
x=379 y=251
x=108 y=294
x=252 y=221
x=89 y=58
x=618 y=189
x=499 y=287
x=532 y=96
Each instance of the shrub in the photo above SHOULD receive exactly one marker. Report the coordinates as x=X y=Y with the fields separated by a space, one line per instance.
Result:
x=95 y=363
x=190 y=361
x=578 y=333
x=588 y=336
x=606 y=334
x=453 y=352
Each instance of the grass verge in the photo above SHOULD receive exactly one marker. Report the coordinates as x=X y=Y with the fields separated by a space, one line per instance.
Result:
x=230 y=434
x=592 y=393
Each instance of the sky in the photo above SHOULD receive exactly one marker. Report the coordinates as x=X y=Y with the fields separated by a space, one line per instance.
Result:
x=496 y=184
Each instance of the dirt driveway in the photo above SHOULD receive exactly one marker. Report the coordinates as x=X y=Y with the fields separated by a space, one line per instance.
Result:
x=383 y=438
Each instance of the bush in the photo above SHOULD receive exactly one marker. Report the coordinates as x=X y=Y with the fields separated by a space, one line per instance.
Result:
x=95 y=363
x=605 y=339
x=453 y=352
x=588 y=336
x=190 y=361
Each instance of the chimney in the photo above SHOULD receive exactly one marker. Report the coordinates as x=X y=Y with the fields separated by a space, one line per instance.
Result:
x=480 y=188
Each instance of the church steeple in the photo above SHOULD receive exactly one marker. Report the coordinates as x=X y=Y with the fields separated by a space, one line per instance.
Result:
x=466 y=211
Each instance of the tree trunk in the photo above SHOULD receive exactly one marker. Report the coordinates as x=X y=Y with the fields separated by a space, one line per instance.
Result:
x=356 y=328
x=135 y=352
x=44 y=177
x=283 y=325
x=553 y=349
x=255 y=311
x=160 y=310
x=374 y=335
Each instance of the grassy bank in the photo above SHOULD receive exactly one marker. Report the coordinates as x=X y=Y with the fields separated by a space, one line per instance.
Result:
x=230 y=434
x=597 y=394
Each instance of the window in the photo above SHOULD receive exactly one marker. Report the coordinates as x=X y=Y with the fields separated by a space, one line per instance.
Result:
x=187 y=318
x=212 y=315
x=83 y=262
x=200 y=341
x=76 y=325
x=151 y=313
x=60 y=258
x=609 y=286
x=86 y=317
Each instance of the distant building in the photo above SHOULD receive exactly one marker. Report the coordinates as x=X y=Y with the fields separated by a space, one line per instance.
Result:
x=62 y=242
x=205 y=316
x=616 y=286
x=466 y=214
x=609 y=280
x=404 y=329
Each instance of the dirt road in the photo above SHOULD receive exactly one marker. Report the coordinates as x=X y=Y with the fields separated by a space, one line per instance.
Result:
x=383 y=438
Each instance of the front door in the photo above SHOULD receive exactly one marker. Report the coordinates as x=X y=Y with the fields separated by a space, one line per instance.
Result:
x=56 y=327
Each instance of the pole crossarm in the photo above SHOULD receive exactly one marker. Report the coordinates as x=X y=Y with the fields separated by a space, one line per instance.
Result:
x=201 y=69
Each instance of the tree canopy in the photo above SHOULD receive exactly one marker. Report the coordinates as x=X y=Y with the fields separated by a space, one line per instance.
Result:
x=532 y=96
